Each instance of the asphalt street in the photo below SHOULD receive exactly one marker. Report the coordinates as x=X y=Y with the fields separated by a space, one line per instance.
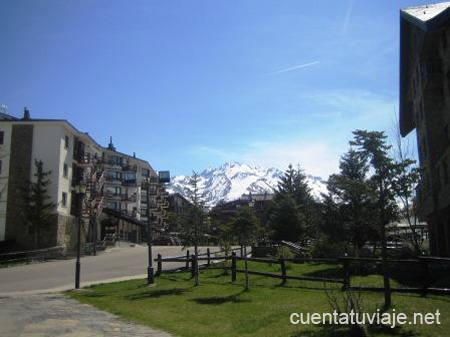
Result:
x=119 y=263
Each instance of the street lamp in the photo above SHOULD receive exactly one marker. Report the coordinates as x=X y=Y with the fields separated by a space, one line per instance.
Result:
x=80 y=191
x=150 y=277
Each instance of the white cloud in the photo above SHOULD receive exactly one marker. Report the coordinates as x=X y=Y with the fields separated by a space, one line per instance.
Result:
x=316 y=158
x=321 y=139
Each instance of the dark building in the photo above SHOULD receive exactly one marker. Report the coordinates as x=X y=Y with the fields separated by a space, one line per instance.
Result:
x=178 y=205
x=425 y=106
x=260 y=203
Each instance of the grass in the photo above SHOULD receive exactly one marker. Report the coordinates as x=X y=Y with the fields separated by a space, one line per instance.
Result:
x=220 y=308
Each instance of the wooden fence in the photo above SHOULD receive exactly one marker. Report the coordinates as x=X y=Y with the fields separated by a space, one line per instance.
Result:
x=422 y=262
x=32 y=255
x=346 y=262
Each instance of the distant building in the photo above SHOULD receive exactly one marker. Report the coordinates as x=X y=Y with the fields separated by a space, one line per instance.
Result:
x=113 y=180
x=425 y=106
x=178 y=206
x=261 y=203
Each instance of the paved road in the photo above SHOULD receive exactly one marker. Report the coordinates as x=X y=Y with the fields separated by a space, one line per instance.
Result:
x=54 y=315
x=119 y=263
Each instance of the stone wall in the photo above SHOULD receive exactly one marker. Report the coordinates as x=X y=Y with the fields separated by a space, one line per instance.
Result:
x=19 y=173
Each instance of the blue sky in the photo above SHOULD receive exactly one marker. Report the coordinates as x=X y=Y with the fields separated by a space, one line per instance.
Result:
x=189 y=84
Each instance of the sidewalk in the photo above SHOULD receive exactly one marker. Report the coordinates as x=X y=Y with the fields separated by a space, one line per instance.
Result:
x=51 y=315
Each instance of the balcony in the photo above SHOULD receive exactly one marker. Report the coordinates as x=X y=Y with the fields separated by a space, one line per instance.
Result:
x=113 y=180
x=130 y=198
x=129 y=168
x=129 y=182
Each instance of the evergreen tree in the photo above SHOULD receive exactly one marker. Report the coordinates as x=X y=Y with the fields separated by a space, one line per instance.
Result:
x=372 y=146
x=37 y=210
x=350 y=202
x=193 y=222
x=245 y=225
x=293 y=214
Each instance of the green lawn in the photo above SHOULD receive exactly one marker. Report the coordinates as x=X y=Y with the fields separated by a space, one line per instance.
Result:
x=220 y=308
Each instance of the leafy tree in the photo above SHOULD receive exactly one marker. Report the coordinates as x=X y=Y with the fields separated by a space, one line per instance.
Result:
x=37 y=210
x=293 y=215
x=407 y=178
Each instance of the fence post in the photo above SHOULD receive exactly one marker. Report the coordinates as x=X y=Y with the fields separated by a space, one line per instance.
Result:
x=197 y=274
x=242 y=250
x=159 y=265
x=187 y=259
x=208 y=253
x=233 y=266
x=193 y=265
x=283 y=269
x=346 y=273
x=425 y=275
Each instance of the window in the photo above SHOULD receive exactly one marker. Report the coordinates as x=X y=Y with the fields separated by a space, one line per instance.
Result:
x=65 y=171
x=2 y=136
x=66 y=142
x=64 y=199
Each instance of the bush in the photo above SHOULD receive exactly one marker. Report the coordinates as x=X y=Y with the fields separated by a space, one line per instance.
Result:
x=326 y=248
x=284 y=252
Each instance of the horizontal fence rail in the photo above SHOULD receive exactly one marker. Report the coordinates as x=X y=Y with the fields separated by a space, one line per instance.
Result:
x=191 y=264
x=32 y=255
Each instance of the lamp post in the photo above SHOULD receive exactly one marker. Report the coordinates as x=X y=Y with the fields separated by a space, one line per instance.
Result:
x=150 y=277
x=80 y=192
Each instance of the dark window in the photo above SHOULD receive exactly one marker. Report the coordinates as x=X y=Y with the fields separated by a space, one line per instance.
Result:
x=2 y=135
x=66 y=142
x=64 y=199
x=65 y=171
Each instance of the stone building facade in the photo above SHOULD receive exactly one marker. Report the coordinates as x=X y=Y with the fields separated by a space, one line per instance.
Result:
x=425 y=106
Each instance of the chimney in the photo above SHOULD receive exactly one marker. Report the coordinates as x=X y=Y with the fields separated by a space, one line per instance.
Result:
x=111 y=145
x=26 y=114
x=134 y=154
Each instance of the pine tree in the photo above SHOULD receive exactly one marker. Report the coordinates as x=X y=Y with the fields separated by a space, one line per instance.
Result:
x=193 y=222
x=350 y=202
x=293 y=214
x=245 y=225
x=372 y=146
x=37 y=210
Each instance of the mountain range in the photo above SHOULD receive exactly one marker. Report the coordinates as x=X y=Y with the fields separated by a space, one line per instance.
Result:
x=231 y=180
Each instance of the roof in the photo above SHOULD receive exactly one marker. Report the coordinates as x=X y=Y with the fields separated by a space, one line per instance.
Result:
x=428 y=18
x=5 y=116
x=74 y=129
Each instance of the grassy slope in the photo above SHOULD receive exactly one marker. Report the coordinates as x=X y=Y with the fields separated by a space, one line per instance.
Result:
x=219 y=308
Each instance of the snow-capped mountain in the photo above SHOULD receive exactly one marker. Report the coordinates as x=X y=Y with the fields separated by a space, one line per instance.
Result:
x=231 y=180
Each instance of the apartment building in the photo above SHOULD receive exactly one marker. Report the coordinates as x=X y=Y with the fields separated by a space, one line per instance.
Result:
x=112 y=179
x=425 y=106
